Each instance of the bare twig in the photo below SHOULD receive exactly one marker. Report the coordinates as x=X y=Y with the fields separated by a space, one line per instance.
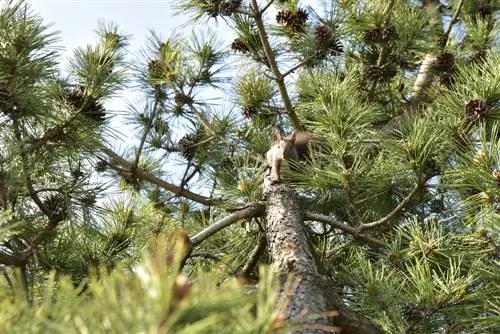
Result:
x=300 y=64
x=144 y=175
x=147 y=129
x=344 y=227
x=391 y=214
x=263 y=10
x=251 y=211
x=454 y=20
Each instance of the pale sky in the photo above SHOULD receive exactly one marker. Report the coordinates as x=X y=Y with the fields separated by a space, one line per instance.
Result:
x=76 y=21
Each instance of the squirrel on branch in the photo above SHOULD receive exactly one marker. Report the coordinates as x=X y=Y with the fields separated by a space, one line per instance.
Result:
x=294 y=147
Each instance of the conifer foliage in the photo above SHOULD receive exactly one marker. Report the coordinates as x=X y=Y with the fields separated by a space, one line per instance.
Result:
x=390 y=226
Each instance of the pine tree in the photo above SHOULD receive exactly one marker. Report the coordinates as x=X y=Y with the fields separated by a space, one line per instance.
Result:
x=390 y=225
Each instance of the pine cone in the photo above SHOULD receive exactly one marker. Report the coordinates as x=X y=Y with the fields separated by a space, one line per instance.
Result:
x=301 y=16
x=291 y=20
x=323 y=34
x=239 y=46
x=101 y=166
x=475 y=109
x=285 y=18
x=444 y=62
x=447 y=78
x=373 y=72
x=213 y=9
x=372 y=36
x=336 y=47
x=154 y=68
x=441 y=41
x=412 y=312
x=388 y=71
x=95 y=111
x=227 y=164
x=249 y=111
x=389 y=33
x=431 y=168
x=187 y=148
x=89 y=107
x=485 y=10
x=228 y=7
x=400 y=60
x=181 y=99
x=57 y=205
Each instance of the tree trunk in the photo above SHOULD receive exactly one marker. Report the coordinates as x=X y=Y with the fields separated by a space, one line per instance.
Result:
x=291 y=254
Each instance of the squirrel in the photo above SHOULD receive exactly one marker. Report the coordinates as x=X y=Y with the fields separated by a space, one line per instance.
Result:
x=294 y=147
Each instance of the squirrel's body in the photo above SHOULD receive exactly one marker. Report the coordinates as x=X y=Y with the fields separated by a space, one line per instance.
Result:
x=295 y=147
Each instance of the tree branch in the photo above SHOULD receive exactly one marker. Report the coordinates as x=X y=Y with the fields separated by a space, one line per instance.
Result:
x=263 y=10
x=205 y=255
x=391 y=214
x=454 y=20
x=254 y=257
x=425 y=74
x=253 y=210
x=300 y=64
x=274 y=66
x=144 y=175
x=344 y=227
x=12 y=260
x=147 y=128
x=29 y=183
x=206 y=123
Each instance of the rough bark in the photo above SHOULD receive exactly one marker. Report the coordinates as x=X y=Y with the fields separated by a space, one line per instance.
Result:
x=291 y=255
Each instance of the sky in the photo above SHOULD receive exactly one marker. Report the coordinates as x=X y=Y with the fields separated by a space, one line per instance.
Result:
x=77 y=20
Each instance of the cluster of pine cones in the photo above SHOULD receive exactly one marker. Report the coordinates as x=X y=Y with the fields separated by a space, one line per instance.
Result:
x=295 y=21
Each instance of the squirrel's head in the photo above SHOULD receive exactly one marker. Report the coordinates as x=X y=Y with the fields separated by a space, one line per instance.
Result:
x=285 y=146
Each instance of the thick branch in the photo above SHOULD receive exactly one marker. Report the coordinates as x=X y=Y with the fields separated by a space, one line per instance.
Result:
x=341 y=226
x=11 y=260
x=254 y=257
x=425 y=74
x=280 y=80
x=253 y=210
x=143 y=175
x=394 y=212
